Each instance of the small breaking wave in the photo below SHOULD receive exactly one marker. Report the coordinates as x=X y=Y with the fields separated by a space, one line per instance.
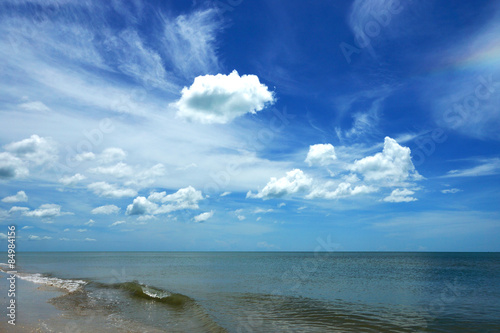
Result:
x=66 y=284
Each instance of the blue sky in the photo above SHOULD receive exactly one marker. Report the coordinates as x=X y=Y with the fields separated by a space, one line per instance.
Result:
x=250 y=125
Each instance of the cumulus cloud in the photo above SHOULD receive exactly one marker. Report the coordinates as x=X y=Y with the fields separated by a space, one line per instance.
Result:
x=343 y=190
x=141 y=206
x=16 y=209
x=71 y=180
x=110 y=155
x=392 y=165
x=294 y=181
x=399 y=195
x=321 y=154
x=34 y=149
x=90 y=222
x=203 y=216
x=161 y=203
x=106 y=210
x=221 y=98
x=85 y=156
x=108 y=190
x=11 y=167
x=18 y=197
x=118 y=170
x=44 y=211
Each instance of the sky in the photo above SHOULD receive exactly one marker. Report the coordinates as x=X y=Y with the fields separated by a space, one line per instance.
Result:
x=237 y=125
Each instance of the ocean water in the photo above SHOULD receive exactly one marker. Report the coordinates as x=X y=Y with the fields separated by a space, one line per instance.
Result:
x=267 y=291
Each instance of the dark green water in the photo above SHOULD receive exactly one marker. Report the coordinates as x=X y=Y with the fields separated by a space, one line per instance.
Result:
x=277 y=292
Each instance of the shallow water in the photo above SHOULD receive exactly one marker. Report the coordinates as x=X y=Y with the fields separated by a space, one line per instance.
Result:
x=271 y=292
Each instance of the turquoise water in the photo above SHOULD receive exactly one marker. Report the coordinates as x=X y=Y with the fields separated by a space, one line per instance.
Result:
x=279 y=292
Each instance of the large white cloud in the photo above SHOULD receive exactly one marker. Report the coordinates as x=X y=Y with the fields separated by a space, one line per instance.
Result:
x=45 y=210
x=113 y=154
x=117 y=170
x=107 y=209
x=108 y=190
x=294 y=181
x=392 y=165
x=11 y=167
x=72 y=180
x=18 y=197
x=321 y=154
x=34 y=149
x=398 y=195
x=160 y=203
x=221 y=98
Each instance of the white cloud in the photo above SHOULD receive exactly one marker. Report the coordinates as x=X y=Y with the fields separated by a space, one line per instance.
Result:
x=116 y=223
x=118 y=170
x=141 y=206
x=85 y=156
x=488 y=167
x=36 y=106
x=392 y=165
x=451 y=190
x=35 y=149
x=108 y=190
x=398 y=195
x=295 y=181
x=342 y=190
x=15 y=209
x=90 y=223
x=203 y=216
x=18 y=197
x=221 y=98
x=189 y=42
x=45 y=210
x=71 y=180
x=107 y=209
x=282 y=204
x=260 y=210
x=266 y=245
x=184 y=198
x=3 y=236
x=225 y=194
x=26 y=227
x=321 y=154
x=81 y=230
x=89 y=240
x=11 y=167
x=38 y=238
x=110 y=155
x=241 y=217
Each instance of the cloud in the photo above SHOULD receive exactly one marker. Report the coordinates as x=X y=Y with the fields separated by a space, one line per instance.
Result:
x=36 y=106
x=90 y=223
x=392 y=165
x=38 y=238
x=86 y=156
x=266 y=245
x=398 y=195
x=34 y=149
x=241 y=217
x=15 y=209
x=71 y=180
x=184 y=198
x=118 y=170
x=451 y=190
x=189 y=43
x=225 y=194
x=295 y=181
x=81 y=230
x=487 y=168
x=141 y=206
x=3 y=236
x=203 y=216
x=343 y=190
x=45 y=210
x=116 y=223
x=221 y=98
x=110 y=155
x=108 y=190
x=106 y=210
x=27 y=227
x=89 y=240
x=18 y=197
x=11 y=167
x=260 y=210
x=321 y=154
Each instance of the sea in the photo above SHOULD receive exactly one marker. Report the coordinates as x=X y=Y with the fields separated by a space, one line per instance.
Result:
x=256 y=292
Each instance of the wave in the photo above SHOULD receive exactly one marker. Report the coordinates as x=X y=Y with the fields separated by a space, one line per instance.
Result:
x=65 y=284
